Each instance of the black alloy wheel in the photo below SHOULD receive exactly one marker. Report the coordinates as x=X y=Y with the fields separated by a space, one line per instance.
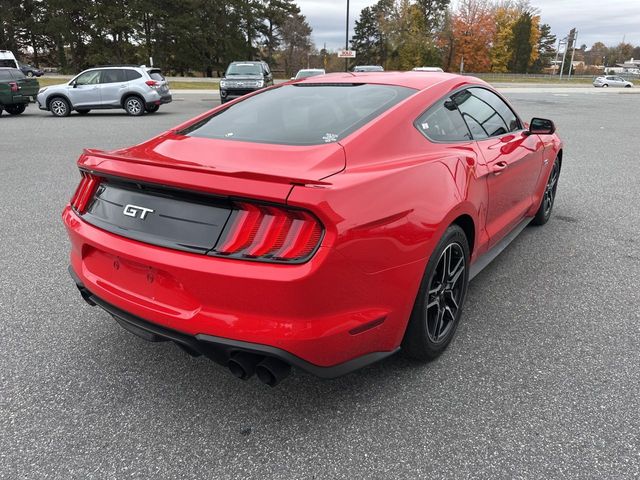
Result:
x=549 y=196
x=438 y=306
x=445 y=293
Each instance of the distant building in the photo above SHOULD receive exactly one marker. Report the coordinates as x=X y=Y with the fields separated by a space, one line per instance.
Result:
x=630 y=66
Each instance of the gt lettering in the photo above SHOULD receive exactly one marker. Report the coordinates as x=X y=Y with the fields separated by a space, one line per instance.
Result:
x=135 y=211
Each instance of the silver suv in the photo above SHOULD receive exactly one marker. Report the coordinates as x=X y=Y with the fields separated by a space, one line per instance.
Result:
x=136 y=89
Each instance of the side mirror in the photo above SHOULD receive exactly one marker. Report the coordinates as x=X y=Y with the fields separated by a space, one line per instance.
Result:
x=74 y=84
x=541 y=126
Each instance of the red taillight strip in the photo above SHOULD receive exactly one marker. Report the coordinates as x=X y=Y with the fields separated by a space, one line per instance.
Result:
x=243 y=230
x=85 y=191
x=302 y=239
x=270 y=233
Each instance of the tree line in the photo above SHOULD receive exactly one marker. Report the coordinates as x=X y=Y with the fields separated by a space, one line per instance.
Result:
x=185 y=36
x=477 y=36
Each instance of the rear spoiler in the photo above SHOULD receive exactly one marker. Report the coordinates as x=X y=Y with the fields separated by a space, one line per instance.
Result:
x=98 y=155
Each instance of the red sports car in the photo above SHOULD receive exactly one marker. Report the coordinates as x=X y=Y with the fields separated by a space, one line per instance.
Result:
x=323 y=224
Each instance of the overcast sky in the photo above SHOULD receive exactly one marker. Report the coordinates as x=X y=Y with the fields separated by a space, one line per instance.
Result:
x=596 y=20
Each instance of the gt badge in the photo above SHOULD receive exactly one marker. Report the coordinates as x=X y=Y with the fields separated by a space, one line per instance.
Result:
x=136 y=211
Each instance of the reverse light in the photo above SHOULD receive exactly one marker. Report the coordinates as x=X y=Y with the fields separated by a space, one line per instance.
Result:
x=271 y=234
x=85 y=191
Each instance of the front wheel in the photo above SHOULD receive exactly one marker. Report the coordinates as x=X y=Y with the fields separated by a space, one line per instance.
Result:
x=605 y=86
x=134 y=106
x=549 y=196
x=16 y=109
x=60 y=107
x=438 y=307
x=29 y=74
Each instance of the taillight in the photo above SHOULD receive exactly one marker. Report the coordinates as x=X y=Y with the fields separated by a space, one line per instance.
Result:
x=85 y=191
x=13 y=86
x=152 y=83
x=269 y=233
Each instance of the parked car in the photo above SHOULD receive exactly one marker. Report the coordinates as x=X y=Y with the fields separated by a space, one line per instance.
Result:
x=611 y=81
x=16 y=91
x=135 y=89
x=324 y=224
x=7 y=59
x=368 y=68
x=30 y=71
x=308 y=72
x=242 y=78
x=427 y=69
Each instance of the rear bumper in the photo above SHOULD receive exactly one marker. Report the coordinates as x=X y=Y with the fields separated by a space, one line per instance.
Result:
x=217 y=348
x=322 y=314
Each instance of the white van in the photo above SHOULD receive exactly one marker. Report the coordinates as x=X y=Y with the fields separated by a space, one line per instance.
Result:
x=7 y=59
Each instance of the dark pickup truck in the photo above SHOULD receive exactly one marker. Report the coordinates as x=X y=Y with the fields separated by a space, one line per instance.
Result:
x=16 y=90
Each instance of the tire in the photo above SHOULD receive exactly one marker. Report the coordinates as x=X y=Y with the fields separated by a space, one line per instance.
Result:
x=153 y=108
x=134 y=105
x=83 y=111
x=1 y=109
x=627 y=86
x=604 y=85
x=30 y=74
x=549 y=196
x=59 y=107
x=16 y=109
x=438 y=306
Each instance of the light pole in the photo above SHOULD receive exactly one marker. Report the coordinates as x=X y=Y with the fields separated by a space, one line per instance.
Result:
x=346 y=40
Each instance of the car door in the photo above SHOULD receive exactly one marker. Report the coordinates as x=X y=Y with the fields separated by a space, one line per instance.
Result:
x=513 y=158
x=84 y=91
x=113 y=85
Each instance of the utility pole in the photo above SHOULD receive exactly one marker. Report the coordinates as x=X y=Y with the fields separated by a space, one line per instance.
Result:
x=575 y=40
x=346 y=40
x=566 y=47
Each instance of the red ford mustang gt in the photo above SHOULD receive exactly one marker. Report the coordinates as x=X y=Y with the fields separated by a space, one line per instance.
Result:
x=323 y=224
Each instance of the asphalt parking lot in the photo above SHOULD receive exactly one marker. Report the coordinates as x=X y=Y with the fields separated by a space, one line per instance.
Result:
x=542 y=380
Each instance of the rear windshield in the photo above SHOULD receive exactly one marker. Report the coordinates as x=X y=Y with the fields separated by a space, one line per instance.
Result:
x=156 y=75
x=304 y=114
x=244 y=69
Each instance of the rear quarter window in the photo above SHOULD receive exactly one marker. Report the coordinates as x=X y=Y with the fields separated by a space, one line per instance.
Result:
x=132 y=75
x=17 y=74
x=5 y=75
x=302 y=114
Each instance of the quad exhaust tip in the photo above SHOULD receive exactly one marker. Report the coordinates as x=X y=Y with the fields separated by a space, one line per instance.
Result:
x=272 y=371
x=269 y=370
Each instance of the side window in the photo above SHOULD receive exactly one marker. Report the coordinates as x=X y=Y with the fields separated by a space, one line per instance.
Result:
x=505 y=112
x=5 y=75
x=132 y=75
x=89 y=78
x=113 y=75
x=17 y=74
x=483 y=121
x=443 y=123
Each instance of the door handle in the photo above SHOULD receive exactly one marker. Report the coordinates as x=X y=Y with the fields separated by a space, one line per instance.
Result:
x=498 y=168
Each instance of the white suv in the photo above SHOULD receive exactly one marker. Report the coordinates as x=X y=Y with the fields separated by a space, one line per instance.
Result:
x=135 y=89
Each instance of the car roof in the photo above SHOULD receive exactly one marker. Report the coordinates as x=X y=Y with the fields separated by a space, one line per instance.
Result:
x=401 y=79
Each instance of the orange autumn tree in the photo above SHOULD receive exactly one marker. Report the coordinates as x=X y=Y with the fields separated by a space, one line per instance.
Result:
x=473 y=27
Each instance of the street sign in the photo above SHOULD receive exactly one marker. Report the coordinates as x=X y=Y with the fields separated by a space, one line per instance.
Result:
x=347 y=54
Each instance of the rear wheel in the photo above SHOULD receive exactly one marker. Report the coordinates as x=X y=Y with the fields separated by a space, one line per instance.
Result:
x=59 y=107
x=29 y=74
x=16 y=109
x=134 y=106
x=549 y=196
x=438 y=307
x=83 y=111
x=152 y=108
